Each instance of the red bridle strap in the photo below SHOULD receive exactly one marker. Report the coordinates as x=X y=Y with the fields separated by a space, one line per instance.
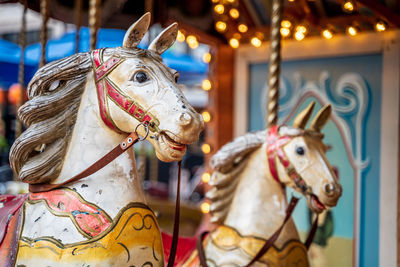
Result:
x=275 y=144
x=107 y=89
x=274 y=147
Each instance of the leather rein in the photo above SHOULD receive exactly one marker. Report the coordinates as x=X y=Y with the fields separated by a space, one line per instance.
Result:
x=107 y=90
x=275 y=144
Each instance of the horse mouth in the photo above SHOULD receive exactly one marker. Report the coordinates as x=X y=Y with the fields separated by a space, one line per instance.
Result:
x=172 y=142
x=315 y=204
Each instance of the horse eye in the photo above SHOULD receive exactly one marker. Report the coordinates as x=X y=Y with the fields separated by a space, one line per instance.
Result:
x=300 y=151
x=141 y=77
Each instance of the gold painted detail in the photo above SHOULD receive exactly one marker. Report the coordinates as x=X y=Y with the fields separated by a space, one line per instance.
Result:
x=293 y=253
x=133 y=237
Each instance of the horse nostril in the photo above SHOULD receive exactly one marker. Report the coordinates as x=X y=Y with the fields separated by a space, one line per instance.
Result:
x=329 y=189
x=185 y=118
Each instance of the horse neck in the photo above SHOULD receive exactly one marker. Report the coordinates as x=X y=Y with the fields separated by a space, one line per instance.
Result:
x=259 y=205
x=115 y=185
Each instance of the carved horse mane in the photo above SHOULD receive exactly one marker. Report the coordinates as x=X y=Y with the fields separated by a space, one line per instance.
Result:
x=37 y=155
x=228 y=162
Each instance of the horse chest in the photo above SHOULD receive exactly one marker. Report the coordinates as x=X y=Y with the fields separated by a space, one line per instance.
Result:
x=132 y=238
x=39 y=221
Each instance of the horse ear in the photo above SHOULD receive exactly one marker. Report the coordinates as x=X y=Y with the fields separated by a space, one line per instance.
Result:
x=321 y=118
x=301 y=120
x=165 y=39
x=136 y=31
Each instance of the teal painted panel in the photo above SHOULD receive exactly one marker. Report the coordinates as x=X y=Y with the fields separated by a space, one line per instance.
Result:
x=360 y=116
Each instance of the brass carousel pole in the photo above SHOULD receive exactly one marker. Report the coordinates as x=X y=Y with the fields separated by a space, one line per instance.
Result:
x=78 y=23
x=274 y=63
x=94 y=22
x=44 y=10
x=21 y=71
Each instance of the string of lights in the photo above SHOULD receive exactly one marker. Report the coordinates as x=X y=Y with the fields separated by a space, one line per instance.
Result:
x=228 y=22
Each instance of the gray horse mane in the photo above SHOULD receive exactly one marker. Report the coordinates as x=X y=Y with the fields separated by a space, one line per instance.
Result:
x=227 y=164
x=232 y=153
x=54 y=94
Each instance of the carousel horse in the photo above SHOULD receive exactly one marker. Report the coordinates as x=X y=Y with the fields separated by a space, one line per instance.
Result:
x=248 y=195
x=79 y=109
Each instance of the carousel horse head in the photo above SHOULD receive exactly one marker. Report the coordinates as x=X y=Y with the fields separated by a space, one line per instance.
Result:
x=297 y=159
x=130 y=90
x=143 y=90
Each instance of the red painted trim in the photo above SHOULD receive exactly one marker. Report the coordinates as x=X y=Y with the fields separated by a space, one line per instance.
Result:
x=103 y=70
x=92 y=220
x=273 y=145
x=102 y=105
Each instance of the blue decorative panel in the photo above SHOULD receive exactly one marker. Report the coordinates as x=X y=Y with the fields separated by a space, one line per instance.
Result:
x=353 y=86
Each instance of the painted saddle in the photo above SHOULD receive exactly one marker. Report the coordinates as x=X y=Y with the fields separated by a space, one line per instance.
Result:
x=105 y=236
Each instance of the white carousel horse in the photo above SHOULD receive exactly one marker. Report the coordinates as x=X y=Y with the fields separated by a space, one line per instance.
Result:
x=248 y=195
x=79 y=108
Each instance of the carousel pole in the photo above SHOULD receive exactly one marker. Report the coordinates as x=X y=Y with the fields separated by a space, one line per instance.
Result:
x=94 y=21
x=78 y=23
x=44 y=10
x=274 y=63
x=21 y=70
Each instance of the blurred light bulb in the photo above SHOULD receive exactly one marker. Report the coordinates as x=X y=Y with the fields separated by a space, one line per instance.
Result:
x=181 y=37
x=327 y=34
x=234 y=43
x=380 y=26
x=219 y=9
x=285 y=32
x=192 y=42
x=206 y=177
x=206 y=148
x=206 y=85
x=301 y=28
x=220 y=26
x=205 y=207
x=299 y=35
x=286 y=24
x=234 y=13
x=348 y=6
x=206 y=116
x=256 y=42
x=206 y=57
x=352 y=31
x=242 y=28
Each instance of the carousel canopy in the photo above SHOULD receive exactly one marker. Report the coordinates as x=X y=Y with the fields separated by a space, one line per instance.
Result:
x=218 y=21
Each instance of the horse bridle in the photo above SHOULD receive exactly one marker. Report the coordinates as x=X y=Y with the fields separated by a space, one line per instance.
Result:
x=275 y=144
x=108 y=90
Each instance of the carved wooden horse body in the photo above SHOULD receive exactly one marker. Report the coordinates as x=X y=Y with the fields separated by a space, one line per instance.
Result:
x=248 y=195
x=80 y=107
